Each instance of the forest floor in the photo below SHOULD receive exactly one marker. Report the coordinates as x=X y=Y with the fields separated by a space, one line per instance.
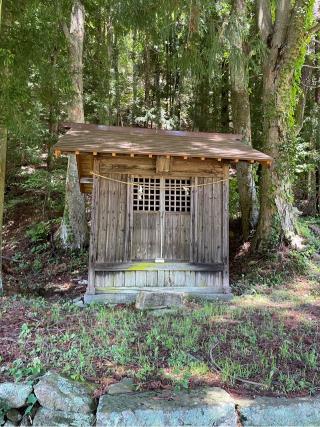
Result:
x=266 y=341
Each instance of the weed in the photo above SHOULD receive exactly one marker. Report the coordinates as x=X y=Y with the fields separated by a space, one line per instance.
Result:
x=20 y=369
x=247 y=339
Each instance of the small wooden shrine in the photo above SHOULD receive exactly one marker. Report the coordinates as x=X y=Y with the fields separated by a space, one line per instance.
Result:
x=160 y=214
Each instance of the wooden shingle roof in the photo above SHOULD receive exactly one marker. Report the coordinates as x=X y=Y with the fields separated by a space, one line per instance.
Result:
x=85 y=138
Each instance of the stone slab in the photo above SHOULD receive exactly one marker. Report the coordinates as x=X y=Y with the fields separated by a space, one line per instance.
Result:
x=48 y=417
x=201 y=407
x=269 y=411
x=155 y=300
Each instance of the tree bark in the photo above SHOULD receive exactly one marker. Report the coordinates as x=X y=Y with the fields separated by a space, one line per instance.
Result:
x=102 y=66
x=315 y=196
x=224 y=98
x=285 y=41
x=3 y=152
x=3 y=156
x=74 y=231
x=147 y=77
x=117 y=95
x=241 y=118
x=134 y=79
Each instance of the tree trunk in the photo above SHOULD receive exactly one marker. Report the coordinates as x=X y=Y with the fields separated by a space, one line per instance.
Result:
x=147 y=78
x=134 y=79
x=102 y=64
x=3 y=152
x=316 y=198
x=202 y=104
x=117 y=96
x=157 y=89
x=74 y=231
x=224 y=98
x=285 y=40
x=241 y=119
x=3 y=155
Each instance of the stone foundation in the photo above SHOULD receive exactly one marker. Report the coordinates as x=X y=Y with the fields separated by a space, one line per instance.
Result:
x=57 y=401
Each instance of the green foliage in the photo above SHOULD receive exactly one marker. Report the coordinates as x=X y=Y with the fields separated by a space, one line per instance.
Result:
x=234 y=201
x=31 y=401
x=3 y=410
x=39 y=232
x=249 y=339
x=21 y=370
x=40 y=235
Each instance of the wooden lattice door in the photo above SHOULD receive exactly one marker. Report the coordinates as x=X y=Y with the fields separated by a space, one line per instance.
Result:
x=161 y=219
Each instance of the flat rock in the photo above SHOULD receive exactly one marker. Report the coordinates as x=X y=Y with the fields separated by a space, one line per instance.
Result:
x=269 y=411
x=14 y=395
x=148 y=300
x=124 y=386
x=56 y=392
x=201 y=407
x=48 y=417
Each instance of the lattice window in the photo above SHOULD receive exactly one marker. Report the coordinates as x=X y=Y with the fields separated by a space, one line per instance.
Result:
x=177 y=195
x=155 y=194
x=146 y=194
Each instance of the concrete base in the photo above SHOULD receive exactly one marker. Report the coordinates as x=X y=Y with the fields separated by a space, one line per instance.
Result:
x=128 y=295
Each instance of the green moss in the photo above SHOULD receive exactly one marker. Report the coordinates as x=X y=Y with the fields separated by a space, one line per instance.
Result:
x=142 y=266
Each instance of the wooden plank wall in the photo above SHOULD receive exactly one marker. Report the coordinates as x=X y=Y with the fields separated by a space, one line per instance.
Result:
x=207 y=229
x=177 y=236
x=165 y=278
x=112 y=220
x=145 y=235
x=119 y=234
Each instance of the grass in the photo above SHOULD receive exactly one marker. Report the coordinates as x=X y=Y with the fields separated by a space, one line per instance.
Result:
x=271 y=339
x=266 y=341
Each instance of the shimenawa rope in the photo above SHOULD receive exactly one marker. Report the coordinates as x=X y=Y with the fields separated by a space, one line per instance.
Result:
x=137 y=184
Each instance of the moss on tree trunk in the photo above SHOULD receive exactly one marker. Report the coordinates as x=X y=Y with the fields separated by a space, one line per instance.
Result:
x=285 y=41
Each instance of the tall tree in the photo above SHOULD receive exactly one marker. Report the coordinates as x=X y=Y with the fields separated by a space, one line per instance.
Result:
x=241 y=117
x=284 y=32
x=3 y=153
x=74 y=228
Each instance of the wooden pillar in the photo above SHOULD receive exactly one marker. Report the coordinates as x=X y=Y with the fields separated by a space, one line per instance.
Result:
x=93 y=230
x=3 y=155
x=225 y=229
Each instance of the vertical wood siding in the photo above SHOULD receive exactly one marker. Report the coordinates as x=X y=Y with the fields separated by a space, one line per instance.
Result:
x=176 y=236
x=146 y=236
x=112 y=220
x=166 y=279
x=120 y=234
x=206 y=222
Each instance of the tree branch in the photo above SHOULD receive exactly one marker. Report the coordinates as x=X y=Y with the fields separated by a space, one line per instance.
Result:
x=264 y=19
x=283 y=15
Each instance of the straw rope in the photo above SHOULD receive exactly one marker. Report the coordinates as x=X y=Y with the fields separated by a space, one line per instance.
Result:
x=137 y=184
